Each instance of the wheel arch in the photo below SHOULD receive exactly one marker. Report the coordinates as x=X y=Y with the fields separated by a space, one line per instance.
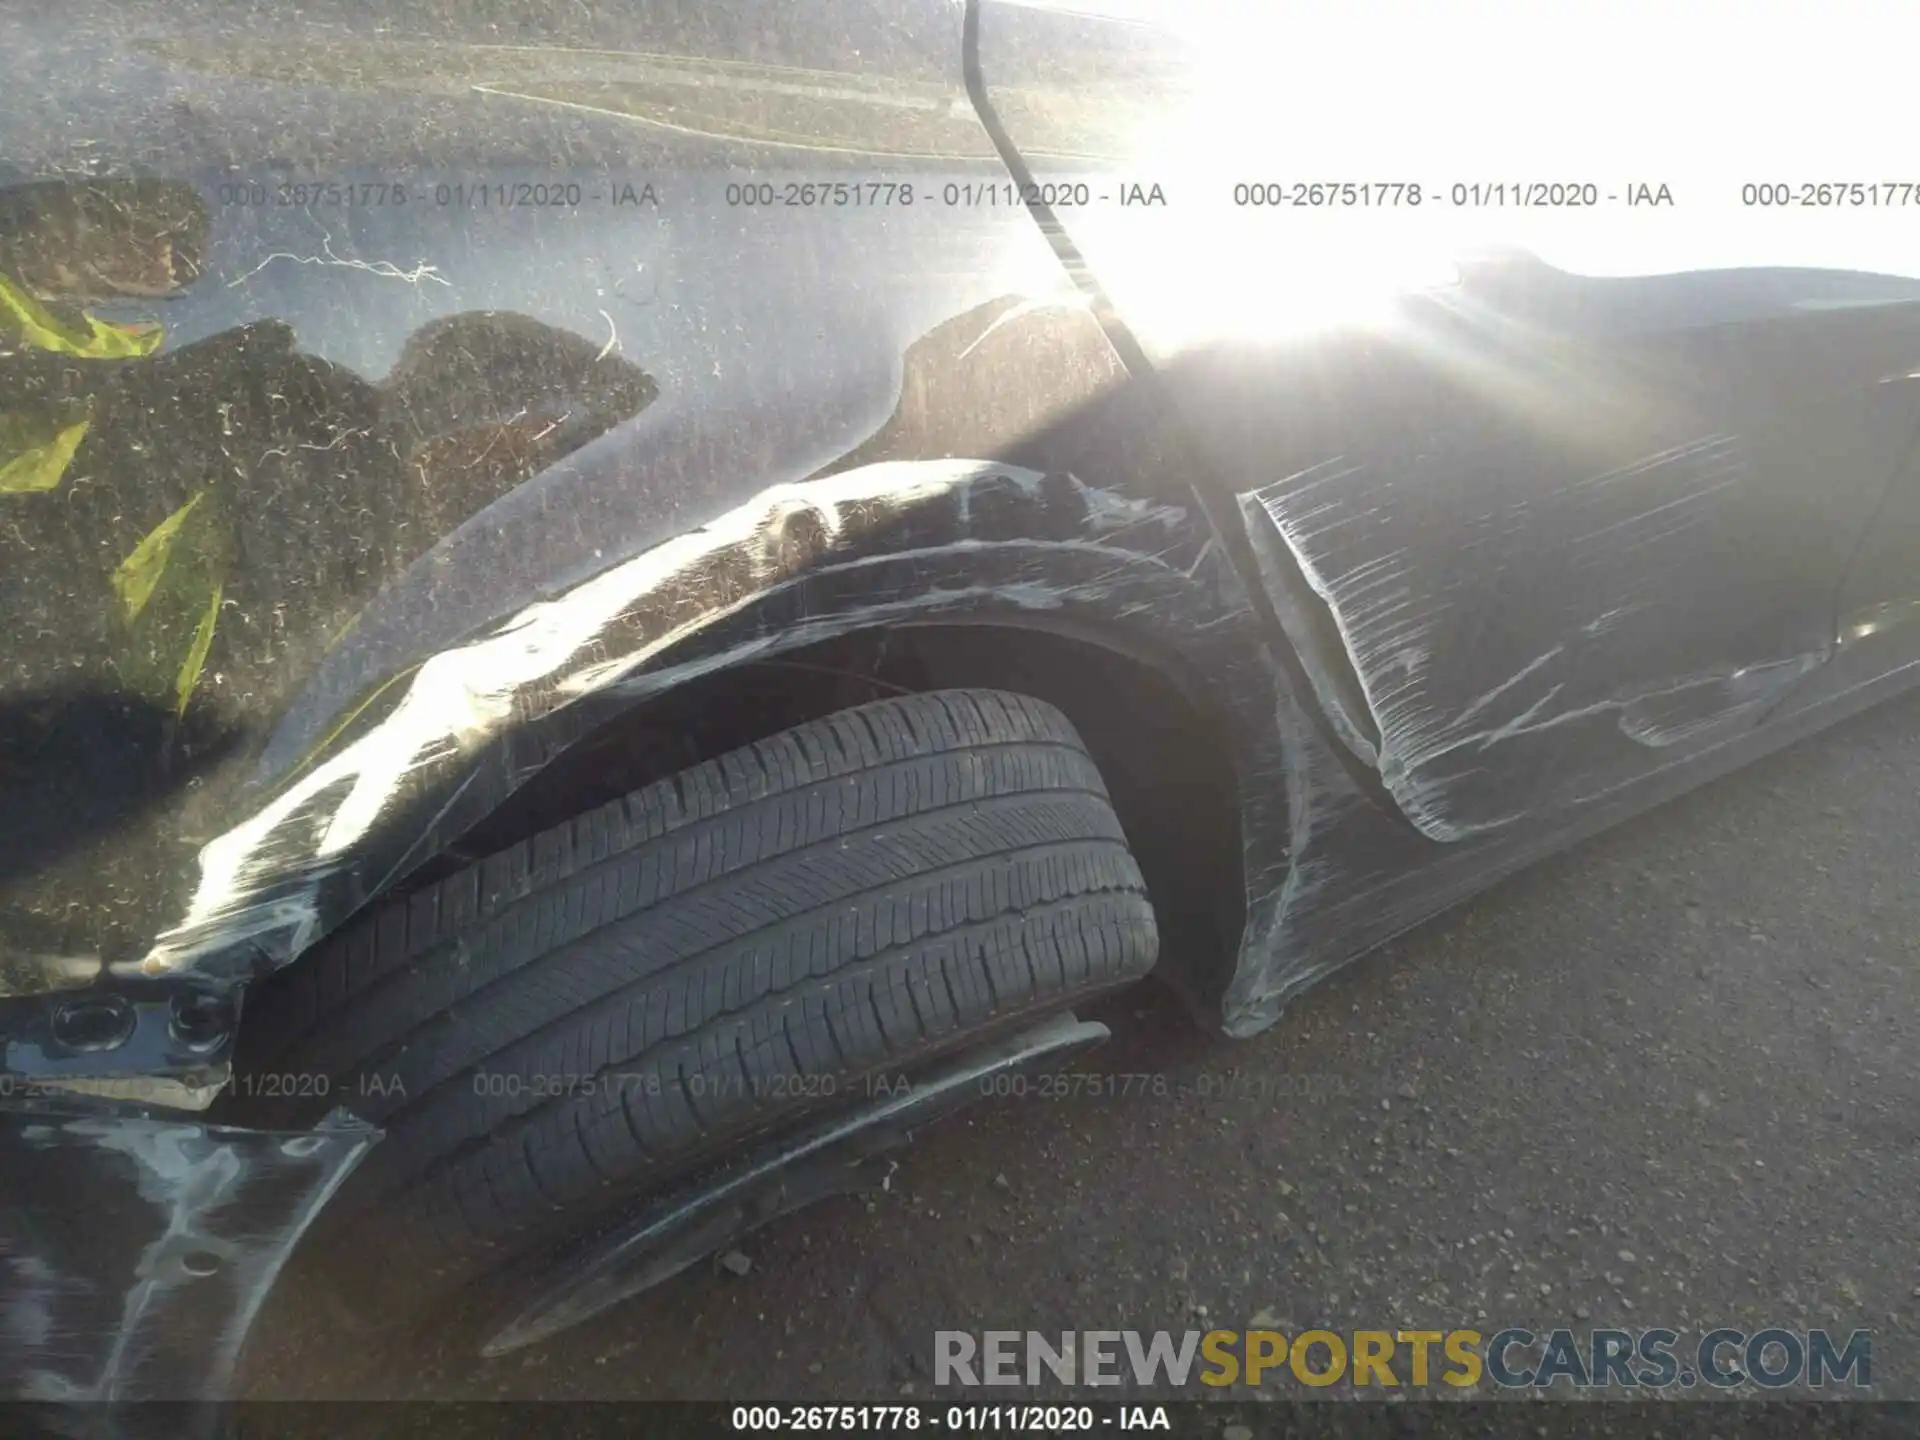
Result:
x=394 y=778
x=1164 y=747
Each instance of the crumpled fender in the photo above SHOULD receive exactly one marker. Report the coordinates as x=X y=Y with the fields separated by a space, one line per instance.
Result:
x=438 y=747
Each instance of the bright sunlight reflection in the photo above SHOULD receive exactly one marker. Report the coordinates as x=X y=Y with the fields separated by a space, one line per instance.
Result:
x=1699 y=97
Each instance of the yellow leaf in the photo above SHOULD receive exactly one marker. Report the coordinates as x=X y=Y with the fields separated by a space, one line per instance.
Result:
x=27 y=320
x=136 y=576
x=36 y=467
x=197 y=653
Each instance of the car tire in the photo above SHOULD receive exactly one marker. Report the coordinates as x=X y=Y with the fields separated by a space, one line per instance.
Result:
x=563 y=1026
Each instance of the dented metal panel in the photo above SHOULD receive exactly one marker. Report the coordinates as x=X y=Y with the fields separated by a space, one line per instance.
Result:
x=1556 y=556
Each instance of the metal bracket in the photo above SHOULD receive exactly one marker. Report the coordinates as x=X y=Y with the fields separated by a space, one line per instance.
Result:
x=163 y=1028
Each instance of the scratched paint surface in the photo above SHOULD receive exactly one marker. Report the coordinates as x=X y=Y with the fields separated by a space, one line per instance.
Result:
x=155 y=1304
x=1529 y=565
x=1401 y=621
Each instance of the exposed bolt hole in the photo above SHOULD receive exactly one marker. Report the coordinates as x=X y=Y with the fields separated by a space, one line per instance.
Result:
x=200 y=1262
x=105 y=1023
x=200 y=1021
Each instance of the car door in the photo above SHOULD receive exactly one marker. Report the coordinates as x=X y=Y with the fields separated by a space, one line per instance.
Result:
x=1537 y=531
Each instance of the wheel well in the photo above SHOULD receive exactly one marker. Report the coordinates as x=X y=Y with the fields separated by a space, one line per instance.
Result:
x=1165 y=753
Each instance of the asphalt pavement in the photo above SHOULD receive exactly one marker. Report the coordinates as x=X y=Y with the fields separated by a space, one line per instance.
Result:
x=1669 y=1078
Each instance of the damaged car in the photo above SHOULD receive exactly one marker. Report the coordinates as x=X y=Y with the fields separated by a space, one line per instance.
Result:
x=608 y=610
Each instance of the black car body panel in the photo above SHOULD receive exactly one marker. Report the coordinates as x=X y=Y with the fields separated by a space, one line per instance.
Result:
x=512 y=373
x=148 y=1289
